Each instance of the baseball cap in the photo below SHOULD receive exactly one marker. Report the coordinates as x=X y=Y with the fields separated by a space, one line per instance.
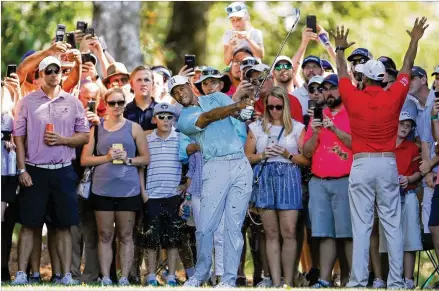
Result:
x=249 y=62
x=404 y=115
x=389 y=64
x=372 y=69
x=47 y=61
x=311 y=59
x=327 y=66
x=418 y=71
x=360 y=52
x=283 y=58
x=331 y=79
x=236 y=9
x=436 y=71
x=164 y=108
x=316 y=80
x=162 y=70
x=176 y=81
x=257 y=68
x=28 y=53
x=210 y=72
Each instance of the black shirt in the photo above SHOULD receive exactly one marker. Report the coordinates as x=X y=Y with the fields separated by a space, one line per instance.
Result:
x=142 y=117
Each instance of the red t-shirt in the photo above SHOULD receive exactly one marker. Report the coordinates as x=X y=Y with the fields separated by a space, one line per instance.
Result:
x=374 y=114
x=407 y=161
x=295 y=107
x=331 y=159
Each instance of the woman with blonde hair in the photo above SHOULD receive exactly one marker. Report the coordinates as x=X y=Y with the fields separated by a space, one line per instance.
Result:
x=274 y=145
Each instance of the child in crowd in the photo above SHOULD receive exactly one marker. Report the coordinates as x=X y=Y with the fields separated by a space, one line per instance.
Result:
x=242 y=34
x=407 y=161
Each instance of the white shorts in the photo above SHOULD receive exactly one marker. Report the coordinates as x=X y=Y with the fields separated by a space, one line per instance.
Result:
x=410 y=223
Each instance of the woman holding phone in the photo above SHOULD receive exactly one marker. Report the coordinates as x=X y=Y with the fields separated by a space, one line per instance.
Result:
x=118 y=181
x=274 y=146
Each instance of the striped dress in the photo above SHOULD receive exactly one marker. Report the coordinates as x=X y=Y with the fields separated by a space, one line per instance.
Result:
x=164 y=169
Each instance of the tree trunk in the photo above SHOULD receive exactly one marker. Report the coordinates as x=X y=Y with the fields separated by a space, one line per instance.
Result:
x=119 y=23
x=188 y=32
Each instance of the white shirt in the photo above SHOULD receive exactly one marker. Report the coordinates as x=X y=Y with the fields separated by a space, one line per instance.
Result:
x=290 y=142
x=253 y=34
x=302 y=94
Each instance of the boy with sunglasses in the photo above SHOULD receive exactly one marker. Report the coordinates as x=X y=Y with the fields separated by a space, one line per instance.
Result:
x=162 y=222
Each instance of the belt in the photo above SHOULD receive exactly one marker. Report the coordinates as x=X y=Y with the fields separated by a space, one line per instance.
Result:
x=236 y=156
x=50 y=166
x=373 y=155
x=332 y=178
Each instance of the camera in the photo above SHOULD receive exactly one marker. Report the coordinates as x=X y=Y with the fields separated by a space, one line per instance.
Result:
x=81 y=25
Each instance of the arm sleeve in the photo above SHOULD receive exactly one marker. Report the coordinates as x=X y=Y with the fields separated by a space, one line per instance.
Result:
x=186 y=123
x=81 y=122
x=182 y=146
x=347 y=90
x=400 y=89
x=192 y=165
x=20 y=121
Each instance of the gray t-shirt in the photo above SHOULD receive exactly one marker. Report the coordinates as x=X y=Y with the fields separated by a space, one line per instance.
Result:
x=253 y=33
x=116 y=180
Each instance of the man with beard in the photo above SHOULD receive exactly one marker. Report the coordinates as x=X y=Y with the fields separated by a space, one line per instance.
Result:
x=374 y=174
x=328 y=142
x=311 y=66
x=358 y=56
x=209 y=123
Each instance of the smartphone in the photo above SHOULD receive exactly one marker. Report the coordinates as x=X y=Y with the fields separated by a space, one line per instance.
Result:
x=92 y=106
x=11 y=69
x=312 y=104
x=318 y=113
x=103 y=43
x=81 y=25
x=189 y=61
x=436 y=94
x=272 y=140
x=120 y=147
x=86 y=58
x=60 y=32
x=71 y=39
x=91 y=31
x=311 y=22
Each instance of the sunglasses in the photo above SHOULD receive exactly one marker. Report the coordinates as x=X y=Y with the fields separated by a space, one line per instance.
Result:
x=52 y=71
x=249 y=62
x=312 y=90
x=113 y=103
x=167 y=117
x=283 y=66
x=272 y=107
x=210 y=72
x=236 y=8
x=359 y=61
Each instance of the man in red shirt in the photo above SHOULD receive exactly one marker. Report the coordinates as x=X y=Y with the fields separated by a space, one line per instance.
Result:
x=328 y=142
x=373 y=115
x=255 y=74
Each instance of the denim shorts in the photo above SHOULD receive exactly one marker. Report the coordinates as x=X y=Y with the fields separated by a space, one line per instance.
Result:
x=329 y=208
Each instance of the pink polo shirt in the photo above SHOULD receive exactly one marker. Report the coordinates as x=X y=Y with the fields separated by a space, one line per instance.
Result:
x=34 y=111
x=331 y=159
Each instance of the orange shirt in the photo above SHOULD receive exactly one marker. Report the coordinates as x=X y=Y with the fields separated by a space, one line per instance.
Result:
x=406 y=155
x=374 y=114
x=295 y=107
x=331 y=159
x=27 y=88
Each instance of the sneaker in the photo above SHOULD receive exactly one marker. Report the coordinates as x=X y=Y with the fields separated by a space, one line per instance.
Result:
x=68 y=280
x=20 y=279
x=172 y=283
x=35 y=280
x=321 y=284
x=164 y=275
x=123 y=281
x=409 y=284
x=152 y=283
x=55 y=279
x=241 y=281
x=300 y=280
x=223 y=285
x=193 y=282
x=266 y=282
x=312 y=276
x=378 y=284
x=106 y=281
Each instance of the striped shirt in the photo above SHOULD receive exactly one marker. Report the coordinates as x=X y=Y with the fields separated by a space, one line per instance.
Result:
x=195 y=172
x=164 y=169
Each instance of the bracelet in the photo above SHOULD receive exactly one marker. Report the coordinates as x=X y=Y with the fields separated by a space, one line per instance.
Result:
x=339 y=48
x=433 y=117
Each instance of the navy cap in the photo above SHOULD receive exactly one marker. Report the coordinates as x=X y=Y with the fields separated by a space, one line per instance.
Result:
x=360 y=52
x=418 y=71
x=389 y=64
x=331 y=79
x=311 y=59
x=28 y=53
x=327 y=66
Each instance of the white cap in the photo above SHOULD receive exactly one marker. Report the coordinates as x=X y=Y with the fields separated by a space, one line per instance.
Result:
x=372 y=69
x=404 y=115
x=176 y=81
x=316 y=79
x=283 y=58
x=164 y=108
x=436 y=71
x=236 y=9
x=48 y=61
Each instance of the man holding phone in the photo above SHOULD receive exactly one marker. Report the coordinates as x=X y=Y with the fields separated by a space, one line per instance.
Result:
x=374 y=175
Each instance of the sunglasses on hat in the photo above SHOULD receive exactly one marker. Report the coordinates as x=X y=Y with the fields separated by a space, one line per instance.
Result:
x=236 y=8
x=283 y=66
x=210 y=72
x=52 y=71
x=249 y=62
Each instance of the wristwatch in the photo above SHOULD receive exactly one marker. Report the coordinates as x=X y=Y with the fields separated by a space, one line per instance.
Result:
x=21 y=171
x=290 y=157
x=130 y=162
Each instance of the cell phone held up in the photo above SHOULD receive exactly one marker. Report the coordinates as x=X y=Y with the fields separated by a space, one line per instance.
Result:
x=90 y=31
x=311 y=22
x=86 y=58
x=60 y=32
x=92 y=106
x=12 y=69
x=312 y=104
x=189 y=61
x=318 y=113
x=71 y=39
x=81 y=25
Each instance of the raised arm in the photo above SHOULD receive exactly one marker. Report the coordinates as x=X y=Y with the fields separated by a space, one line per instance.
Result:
x=341 y=43
x=307 y=36
x=415 y=35
x=221 y=112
